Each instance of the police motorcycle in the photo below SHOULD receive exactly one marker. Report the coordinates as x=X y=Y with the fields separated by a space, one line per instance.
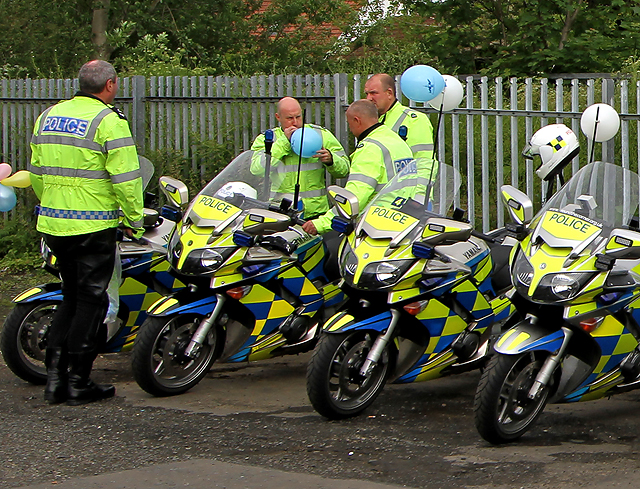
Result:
x=259 y=286
x=141 y=276
x=576 y=273
x=424 y=292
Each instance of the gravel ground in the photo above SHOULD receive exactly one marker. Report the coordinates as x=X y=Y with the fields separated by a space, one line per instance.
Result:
x=418 y=435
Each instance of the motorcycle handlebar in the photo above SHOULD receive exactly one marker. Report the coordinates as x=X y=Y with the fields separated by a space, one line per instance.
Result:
x=482 y=236
x=240 y=200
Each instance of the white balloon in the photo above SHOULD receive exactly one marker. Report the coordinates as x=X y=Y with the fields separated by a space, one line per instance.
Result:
x=607 y=119
x=450 y=97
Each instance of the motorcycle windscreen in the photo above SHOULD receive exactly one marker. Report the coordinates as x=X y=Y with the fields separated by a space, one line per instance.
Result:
x=241 y=185
x=146 y=171
x=599 y=196
x=422 y=186
x=246 y=175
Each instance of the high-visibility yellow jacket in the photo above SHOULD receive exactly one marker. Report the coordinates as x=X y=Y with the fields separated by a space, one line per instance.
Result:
x=313 y=184
x=419 y=128
x=379 y=155
x=84 y=168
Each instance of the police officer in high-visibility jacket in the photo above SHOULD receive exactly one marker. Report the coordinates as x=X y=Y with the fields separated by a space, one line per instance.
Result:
x=84 y=169
x=313 y=185
x=379 y=155
x=417 y=132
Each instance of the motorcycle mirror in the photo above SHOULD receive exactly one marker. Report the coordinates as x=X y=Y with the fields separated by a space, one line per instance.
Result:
x=345 y=201
x=262 y=221
x=176 y=191
x=517 y=203
x=439 y=231
x=624 y=244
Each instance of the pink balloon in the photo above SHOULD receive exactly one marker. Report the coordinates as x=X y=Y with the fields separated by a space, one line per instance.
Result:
x=5 y=170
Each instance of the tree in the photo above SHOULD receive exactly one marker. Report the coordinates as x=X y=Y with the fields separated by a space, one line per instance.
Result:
x=526 y=37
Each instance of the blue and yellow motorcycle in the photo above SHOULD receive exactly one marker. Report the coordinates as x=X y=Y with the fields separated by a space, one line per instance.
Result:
x=576 y=273
x=145 y=277
x=259 y=286
x=424 y=292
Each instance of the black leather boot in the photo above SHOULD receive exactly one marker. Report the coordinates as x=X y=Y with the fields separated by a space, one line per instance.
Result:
x=82 y=389
x=57 y=362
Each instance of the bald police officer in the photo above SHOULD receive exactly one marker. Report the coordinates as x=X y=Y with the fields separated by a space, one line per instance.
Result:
x=379 y=155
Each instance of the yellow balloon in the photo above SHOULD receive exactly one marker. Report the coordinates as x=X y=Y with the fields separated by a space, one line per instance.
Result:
x=19 y=179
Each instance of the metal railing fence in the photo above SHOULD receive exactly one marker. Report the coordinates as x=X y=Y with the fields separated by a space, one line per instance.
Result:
x=482 y=138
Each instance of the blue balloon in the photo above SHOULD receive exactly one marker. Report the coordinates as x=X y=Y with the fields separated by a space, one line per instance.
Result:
x=312 y=141
x=421 y=83
x=7 y=198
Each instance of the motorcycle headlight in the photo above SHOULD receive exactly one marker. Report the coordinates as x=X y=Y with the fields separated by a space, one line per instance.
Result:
x=383 y=274
x=522 y=274
x=205 y=261
x=561 y=286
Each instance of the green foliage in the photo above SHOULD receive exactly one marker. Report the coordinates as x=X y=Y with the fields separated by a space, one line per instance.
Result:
x=518 y=37
x=213 y=37
x=19 y=246
x=204 y=161
x=44 y=39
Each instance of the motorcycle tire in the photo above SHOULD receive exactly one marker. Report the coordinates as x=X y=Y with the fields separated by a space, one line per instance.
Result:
x=23 y=339
x=159 y=364
x=503 y=411
x=335 y=386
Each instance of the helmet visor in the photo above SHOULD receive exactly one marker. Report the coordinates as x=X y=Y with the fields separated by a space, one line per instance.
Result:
x=529 y=152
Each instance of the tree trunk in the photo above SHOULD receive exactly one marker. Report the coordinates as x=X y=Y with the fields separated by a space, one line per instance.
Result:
x=568 y=25
x=99 y=24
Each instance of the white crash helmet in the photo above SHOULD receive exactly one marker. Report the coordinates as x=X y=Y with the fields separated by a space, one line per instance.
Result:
x=231 y=188
x=556 y=144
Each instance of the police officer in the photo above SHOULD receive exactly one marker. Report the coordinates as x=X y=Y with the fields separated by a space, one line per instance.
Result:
x=381 y=90
x=379 y=155
x=84 y=168
x=313 y=185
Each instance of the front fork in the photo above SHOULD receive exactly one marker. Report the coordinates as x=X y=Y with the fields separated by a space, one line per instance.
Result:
x=379 y=345
x=550 y=365
x=201 y=333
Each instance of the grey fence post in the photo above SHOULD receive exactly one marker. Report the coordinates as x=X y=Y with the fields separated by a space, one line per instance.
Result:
x=138 y=112
x=340 y=93
x=608 y=93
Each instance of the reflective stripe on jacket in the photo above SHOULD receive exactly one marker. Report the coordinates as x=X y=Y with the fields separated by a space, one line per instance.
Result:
x=419 y=128
x=84 y=168
x=376 y=159
x=313 y=184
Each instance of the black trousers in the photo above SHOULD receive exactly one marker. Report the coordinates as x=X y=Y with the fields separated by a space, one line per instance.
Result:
x=86 y=264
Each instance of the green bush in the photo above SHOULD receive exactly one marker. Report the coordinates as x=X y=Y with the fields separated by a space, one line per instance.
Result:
x=19 y=246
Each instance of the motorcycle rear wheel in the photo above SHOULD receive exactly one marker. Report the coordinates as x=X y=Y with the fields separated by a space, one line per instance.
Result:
x=335 y=386
x=23 y=339
x=502 y=409
x=159 y=364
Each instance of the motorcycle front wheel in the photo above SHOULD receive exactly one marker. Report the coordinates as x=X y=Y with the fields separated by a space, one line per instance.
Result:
x=23 y=339
x=502 y=408
x=335 y=385
x=160 y=365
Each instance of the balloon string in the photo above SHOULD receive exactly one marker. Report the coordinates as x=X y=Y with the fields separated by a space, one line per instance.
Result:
x=593 y=139
x=296 y=192
x=437 y=131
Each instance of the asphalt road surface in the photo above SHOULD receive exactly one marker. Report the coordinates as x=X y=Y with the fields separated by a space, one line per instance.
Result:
x=251 y=426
